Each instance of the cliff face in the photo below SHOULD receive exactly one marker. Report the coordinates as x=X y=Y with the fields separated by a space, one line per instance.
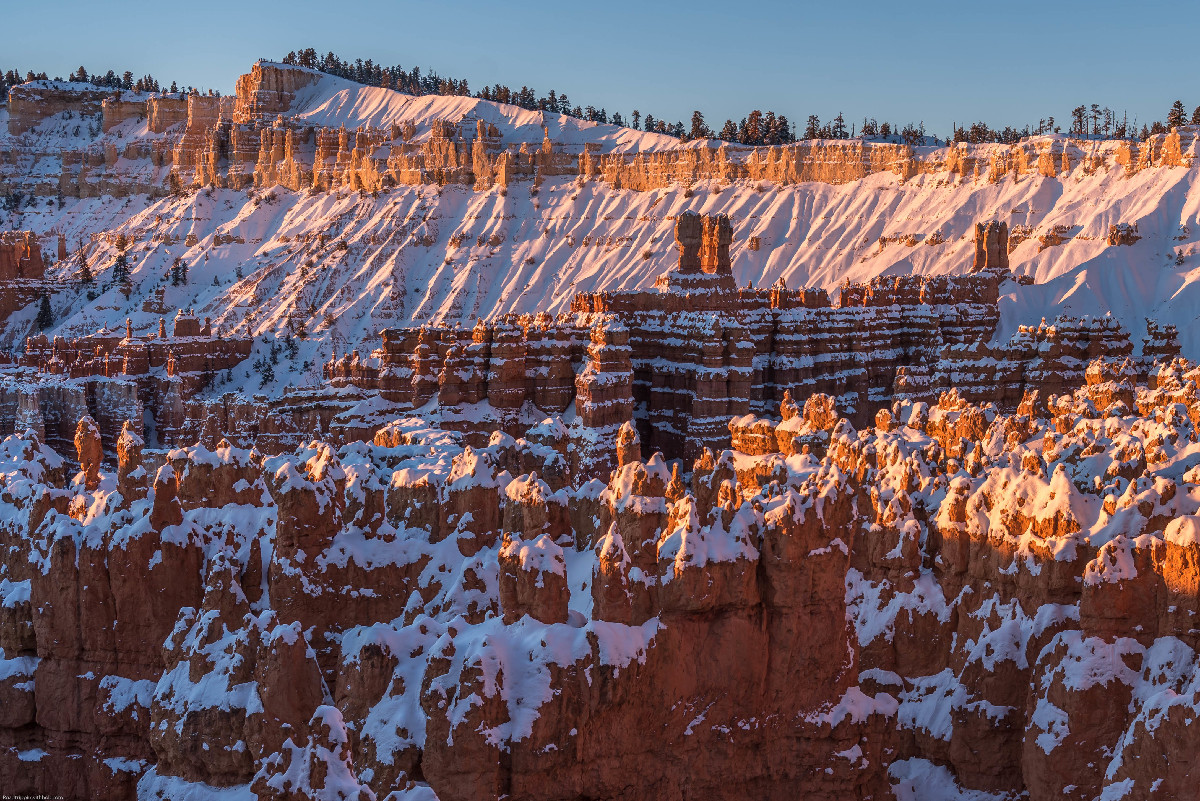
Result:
x=268 y=90
x=952 y=596
x=31 y=103
x=282 y=145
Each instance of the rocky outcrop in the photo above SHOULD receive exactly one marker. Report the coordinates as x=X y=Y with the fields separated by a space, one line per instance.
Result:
x=87 y=446
x=29 y=104
x=20 y=256
x=269 y=89
x=127 y=376
x=991 y=247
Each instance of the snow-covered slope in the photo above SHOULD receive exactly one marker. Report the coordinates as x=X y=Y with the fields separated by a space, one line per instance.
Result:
x=335 y=102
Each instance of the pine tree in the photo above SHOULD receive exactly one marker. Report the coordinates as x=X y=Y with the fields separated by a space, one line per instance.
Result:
x=85 y=273
x=1078 y=120
x=1177 y=115
x=839 y=127
x=699 y=129
x=45 y=316
x=770 y=127
x=752 y=128
x=121 y=268
x=1196 y=116
x=812 y=130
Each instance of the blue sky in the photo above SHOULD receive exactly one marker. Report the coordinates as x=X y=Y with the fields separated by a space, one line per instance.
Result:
x=937 y=62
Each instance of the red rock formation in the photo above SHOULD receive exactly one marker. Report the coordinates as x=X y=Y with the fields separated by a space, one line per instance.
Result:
x=829 y=601
x=991 y=247
x=166 y=510
x=87 y=445
x=269 y=89
x=533 y=579
x=131 y=473
x=995 y=583
x=20 y=256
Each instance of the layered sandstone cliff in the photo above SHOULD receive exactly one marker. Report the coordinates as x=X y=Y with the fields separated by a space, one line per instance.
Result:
x=257 y=139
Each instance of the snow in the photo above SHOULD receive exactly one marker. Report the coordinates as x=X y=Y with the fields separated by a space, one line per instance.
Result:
x=1183 y=531
x=921 y=780
x=334 y=102
x=873 y=606
x=689 y=544
x=515 y=662
x=153 y=787
x=19 y=666
x=1053 y=722
x=930 y=703
x=856 y=706
x=542 y=555
x=124 y=693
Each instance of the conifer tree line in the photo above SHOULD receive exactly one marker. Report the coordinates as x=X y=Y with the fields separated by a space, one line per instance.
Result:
x=756 y=128
x=107 y=80
x=14 y=77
